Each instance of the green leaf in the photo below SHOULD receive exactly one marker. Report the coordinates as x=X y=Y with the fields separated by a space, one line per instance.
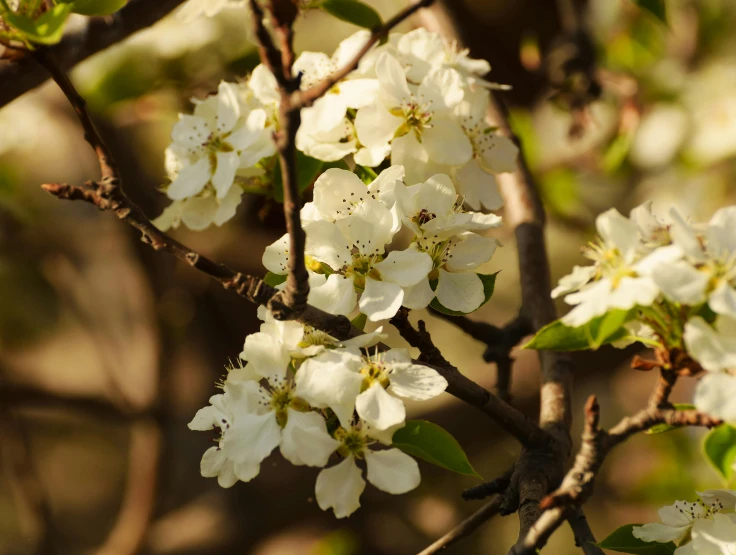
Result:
x=720 y=449
x=489 y=283
x=359 y=321
x=307 y=170
x=623 y=541
x=660 y=428
x=48 y=28
x=658 y=8
x=605 y=329
x=354 y=12
x=274 y=279
x=97 y=7
x=433 y=444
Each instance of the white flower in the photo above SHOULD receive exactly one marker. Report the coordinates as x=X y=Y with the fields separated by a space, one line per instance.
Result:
x=715 y=350
x=707 y=271
x=221 y=136
x=707 y=521
x=339 y=487
x=424 y=115
x=621 y=277
x=194 y=8
x=346 y=381
x=277 y=417
x=200 y=212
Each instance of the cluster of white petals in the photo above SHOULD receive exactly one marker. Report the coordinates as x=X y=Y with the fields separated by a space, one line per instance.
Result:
x=679 y=279
x=704 y=527
x=323 y=403
x=414 y=101
x=350 y=225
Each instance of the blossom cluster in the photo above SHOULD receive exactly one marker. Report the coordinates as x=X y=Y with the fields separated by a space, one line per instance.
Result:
x=706 y=526
x=324 y=403
x=414 y=101
x=678 y=280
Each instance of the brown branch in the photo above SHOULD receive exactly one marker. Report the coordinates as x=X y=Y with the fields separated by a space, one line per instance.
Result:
x=302 y=99
x=584 y=537
x=21 y=75
x=577 y=486
x=466 y=527
x=507 y=416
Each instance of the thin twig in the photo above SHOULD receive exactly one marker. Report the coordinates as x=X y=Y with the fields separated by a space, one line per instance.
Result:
x=303 y=99
x=584 y=537
x=577 y=486
x=466 y=527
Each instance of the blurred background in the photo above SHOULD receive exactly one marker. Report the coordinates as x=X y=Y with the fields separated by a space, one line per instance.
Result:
x=107 y=349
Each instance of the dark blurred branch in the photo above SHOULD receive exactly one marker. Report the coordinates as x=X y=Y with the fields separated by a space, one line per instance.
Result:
x=21 y=75
x=577 y=486
x=499 y=343
x=584 y=537
x=466 y=527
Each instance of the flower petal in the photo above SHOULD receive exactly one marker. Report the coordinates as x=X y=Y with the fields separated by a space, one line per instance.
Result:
x=339 y=488
x=460 y=291
x=405 y=268
x=392 y=471
x=336 y=296
x=304 y=439
x=380 y=299
x=252 y=438
x=715 y=394
x=447 y=143
x=417 y=383
x=191 y=180
x=418 y=296
x=379 y=408
x=266 y=354
x=227 y=165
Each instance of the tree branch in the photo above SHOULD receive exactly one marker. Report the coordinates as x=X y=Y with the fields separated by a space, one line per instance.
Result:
x=21 y=75
x=577 y=486
x=466 y=527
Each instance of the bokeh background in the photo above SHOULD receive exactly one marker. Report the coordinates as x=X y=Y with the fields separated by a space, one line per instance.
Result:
x=107 y=349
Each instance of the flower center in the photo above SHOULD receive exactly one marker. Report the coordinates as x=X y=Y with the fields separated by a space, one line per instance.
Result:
x=313 y=336
x=416 y=115
x=374 y=371
x=353 y=442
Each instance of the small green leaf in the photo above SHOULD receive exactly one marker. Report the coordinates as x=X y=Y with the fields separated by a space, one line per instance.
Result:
x=433 y=444
x=489 y=283
x=658 y=8
x=720 y=449
x=359 y=321
x=354 y=12
x=307 y=170
x=97 y=7
x=48 y=28
x=605 y=329
x=622 y=540
x=274 y=279
x=660 y=428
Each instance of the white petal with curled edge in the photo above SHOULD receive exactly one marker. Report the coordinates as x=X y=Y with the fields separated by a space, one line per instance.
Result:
x=478 y=187
x=436 y=195
x=591 y=300
x=205 y=419
x=365 y=339
x=462 y=292
x=380 y=299
x=442 y=89
x=376 y=126
x=392 y=471
x=327 y=385
x=379 y=408
x=215 y=464
x=327 y=112
x=384 y=436
x=579 y=276
x=685 y=237
x=245 y=472
x=369 y=228
x=716 y=536
x=228 y=206
x=416 y=382
x=228 y=106
x=170 y=217
x=447 y=143
x=713 y=350
x=191 y=180
x=304 y=439
x=471 y=252
x=314 y=65
x=199 y=212
x=252 y=438
x=335 y=191
x=339 y=488
x=405 y=268
x=418 y=296
x=357 y=93
x=499 y=154
x=656 y=532
x=327 y=243
x=723 y=497
x=267 y=355
x=721 y=236
x=336 y=296
x=190 y=131
x=276 y=256
x=617 y=230
x=227 y=165
x=723 y=299
x=392 y=79
x=715 y=394
x=372 y=156
x=681 y=282
x=264 y=85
